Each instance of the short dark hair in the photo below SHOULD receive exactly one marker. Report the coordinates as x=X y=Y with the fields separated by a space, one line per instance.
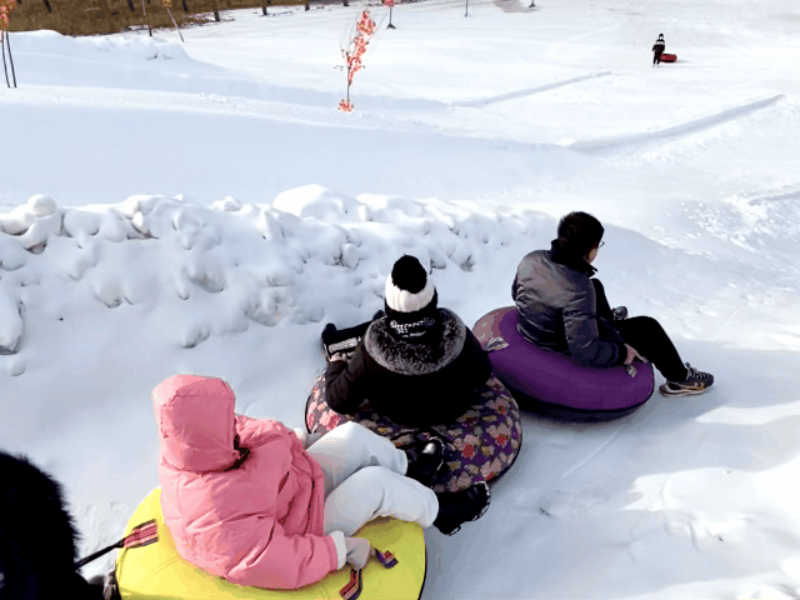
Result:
x=579 y=232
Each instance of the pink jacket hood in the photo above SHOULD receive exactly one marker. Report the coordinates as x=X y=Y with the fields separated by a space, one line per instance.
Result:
x=257 y=522
x=195 y=418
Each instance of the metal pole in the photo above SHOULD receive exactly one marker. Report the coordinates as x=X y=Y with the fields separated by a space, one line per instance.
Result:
x=11 y=58
x=3 y=45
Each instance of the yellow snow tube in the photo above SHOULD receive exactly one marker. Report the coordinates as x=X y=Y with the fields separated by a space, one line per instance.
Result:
x=156 y=570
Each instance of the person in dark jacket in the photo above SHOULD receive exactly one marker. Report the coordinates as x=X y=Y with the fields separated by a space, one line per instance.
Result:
x=561 y=308
x=418 y=365
x=658 y=49
x=38 y=538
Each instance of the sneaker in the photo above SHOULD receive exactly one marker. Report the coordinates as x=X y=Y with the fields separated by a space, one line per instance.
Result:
x=695 y=383
x=456 y=508
x=620 y=313
x=424 y=464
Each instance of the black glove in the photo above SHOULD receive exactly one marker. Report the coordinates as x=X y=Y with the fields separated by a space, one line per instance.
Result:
x=344 y=341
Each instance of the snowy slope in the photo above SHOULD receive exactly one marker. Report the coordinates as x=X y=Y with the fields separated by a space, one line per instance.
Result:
x=206 y=209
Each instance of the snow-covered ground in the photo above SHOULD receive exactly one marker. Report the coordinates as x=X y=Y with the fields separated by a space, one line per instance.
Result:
x=205 y=208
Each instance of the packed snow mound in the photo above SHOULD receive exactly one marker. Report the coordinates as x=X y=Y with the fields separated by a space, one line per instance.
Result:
x=47 y=42
x=313 y=253
x=318 y=202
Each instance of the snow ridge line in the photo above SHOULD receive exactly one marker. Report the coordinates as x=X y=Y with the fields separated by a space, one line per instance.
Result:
x=675 y=130
x=787 y=192
x=312 y=253
x=527 y=91
x=594 y=453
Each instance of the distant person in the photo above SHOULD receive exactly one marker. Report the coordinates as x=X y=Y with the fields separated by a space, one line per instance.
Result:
x=562 y=309
x=658 y=49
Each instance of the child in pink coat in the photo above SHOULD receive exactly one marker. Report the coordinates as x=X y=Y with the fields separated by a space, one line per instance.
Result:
x=244 y=498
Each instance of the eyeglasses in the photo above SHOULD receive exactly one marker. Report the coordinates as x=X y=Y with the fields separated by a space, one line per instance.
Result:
x=600 y=245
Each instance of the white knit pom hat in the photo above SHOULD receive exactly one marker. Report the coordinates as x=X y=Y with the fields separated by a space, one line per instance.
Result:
x=408 y=288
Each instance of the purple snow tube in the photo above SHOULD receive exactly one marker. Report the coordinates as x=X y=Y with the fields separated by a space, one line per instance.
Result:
x=554 y=384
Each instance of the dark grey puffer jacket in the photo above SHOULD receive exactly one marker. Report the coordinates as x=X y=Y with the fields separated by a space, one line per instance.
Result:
x=557 y=308
x=415 y=384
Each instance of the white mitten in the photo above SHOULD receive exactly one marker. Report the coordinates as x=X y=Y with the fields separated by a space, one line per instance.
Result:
x=302 y=435
x=358 y=550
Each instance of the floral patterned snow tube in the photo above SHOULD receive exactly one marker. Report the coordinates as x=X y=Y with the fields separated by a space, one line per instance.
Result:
x=481 y=444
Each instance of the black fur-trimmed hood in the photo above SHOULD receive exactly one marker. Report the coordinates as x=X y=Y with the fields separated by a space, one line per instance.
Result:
x=405 y=357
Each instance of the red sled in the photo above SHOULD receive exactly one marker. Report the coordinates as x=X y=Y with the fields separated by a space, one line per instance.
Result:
x=669 y=57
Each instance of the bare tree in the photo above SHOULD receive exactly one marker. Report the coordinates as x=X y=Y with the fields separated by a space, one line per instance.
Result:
x=149 y=27
x=106 y=13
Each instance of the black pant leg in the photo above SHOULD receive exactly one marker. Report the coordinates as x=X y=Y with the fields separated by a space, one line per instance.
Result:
x=647 y=336
x=603 y=307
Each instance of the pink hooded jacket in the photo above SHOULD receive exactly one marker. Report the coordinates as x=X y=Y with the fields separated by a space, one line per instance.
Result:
x=260 y=524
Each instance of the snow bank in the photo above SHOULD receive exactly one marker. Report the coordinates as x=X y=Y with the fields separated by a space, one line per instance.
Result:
x=313 y=254
x=52 y=43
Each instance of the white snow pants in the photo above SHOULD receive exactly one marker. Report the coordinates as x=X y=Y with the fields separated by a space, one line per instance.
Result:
x=365 y=479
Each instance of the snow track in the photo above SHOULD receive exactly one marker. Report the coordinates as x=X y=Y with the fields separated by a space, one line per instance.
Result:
x=529 y=92
x=686 y=128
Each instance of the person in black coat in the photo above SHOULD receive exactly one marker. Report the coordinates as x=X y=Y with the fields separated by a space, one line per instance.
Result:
x=561 y=308
x=418 y=365
x=38 y=539
x=658 y=49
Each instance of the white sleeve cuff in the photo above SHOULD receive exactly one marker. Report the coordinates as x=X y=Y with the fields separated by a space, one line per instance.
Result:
x=341 y=548
x=301 y=435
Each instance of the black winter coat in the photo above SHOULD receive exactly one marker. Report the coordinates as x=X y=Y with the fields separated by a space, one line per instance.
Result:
x=557 y=308
x=415 y=384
